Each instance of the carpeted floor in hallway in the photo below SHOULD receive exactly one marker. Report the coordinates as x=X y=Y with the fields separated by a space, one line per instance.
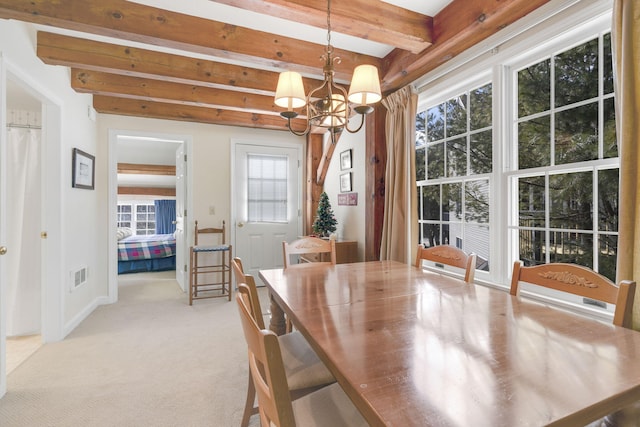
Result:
x=148 y=360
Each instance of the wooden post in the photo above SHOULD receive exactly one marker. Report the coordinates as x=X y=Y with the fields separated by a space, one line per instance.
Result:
x=376 y=161
x=314 y=188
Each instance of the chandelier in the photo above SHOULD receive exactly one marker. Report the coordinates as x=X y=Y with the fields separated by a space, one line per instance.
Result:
x=329 y=105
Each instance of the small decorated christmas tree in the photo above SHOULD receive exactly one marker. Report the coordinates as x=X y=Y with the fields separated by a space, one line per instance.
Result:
x=325 y=222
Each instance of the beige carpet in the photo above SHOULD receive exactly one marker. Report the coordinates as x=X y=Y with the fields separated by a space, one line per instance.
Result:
x=148 y=360
x=20 y=348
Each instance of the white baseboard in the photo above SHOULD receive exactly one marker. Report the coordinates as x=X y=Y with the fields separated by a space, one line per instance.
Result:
x=73 y=323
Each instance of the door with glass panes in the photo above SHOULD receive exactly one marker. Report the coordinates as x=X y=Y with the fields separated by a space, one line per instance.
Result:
x=266 y=192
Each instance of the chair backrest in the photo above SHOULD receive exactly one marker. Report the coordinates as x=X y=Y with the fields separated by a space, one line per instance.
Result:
x=449 y=255
x=249 y=281
x=208 y=230
x=309 y=245
x=266 y=366
x=578 y=280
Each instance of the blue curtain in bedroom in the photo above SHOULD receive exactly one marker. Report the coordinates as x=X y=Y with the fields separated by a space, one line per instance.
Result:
x=165 y=215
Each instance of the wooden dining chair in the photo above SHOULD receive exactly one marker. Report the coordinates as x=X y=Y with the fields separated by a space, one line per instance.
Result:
x=307 y=247
x=449 y=255
x=303 y=368
x=254 y=300
x=578 y=280
x=328 y=406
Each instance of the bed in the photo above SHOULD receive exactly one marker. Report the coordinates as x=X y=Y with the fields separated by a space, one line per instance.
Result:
x=152 y=252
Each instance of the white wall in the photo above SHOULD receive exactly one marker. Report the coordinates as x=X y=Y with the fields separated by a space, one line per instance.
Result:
x=70 y=215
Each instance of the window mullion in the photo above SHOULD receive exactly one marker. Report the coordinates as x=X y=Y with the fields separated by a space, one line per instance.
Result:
x=552 y=112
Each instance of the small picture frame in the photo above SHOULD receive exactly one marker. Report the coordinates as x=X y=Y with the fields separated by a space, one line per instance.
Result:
x=345 y=182
x=345 y=160
x=83 y=170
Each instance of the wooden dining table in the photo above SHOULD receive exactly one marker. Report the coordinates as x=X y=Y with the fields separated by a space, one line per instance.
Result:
x=412 y=347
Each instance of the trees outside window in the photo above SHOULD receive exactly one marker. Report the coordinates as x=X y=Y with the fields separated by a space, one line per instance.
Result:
x=567 y=183
x=523 y=163
x=453 y=167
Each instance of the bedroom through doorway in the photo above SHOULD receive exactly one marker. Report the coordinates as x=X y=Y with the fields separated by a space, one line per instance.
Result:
x=147 y=205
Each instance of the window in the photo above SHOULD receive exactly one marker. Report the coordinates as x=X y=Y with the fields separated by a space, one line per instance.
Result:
x=267 y=188
x=140 y=217
x=567 y=185
x=125 y=218
x=524 y=164
x=453 y=169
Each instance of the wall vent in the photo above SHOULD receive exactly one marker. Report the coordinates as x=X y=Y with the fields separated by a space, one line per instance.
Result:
x=78 y=277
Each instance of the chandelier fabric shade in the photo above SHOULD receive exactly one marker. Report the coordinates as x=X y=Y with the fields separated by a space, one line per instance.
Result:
x=328 y=105
x=290 y=91
x=365 y=85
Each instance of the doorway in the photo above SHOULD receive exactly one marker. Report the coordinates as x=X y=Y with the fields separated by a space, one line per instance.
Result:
x=40 y=99
x=149 y=149
x=266 y=193
x=23 y=293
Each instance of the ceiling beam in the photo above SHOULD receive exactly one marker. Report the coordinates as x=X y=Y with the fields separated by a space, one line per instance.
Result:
x=132 y=21
x=57 y=49
x=98 y=83
x=147 y=191
x=367 y=19
x=459 y=26
x=141 y=169
x=187 y=113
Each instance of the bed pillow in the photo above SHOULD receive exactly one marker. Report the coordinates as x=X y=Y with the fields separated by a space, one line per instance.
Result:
x=123 y=232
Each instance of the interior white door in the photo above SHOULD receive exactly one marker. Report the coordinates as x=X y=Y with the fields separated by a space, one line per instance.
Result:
x=181 y=189
x=3 y=247
x=267 y=210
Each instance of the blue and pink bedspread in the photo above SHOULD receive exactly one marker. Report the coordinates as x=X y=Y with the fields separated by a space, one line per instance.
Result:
x=146 y=247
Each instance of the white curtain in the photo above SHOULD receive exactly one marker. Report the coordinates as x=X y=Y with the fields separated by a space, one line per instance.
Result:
x=23 y=219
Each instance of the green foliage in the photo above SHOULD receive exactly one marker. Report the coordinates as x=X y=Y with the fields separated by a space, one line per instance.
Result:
x=325 y=222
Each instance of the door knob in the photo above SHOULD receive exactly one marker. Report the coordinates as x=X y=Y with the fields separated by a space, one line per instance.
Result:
x=3 y=250
x=240 y=224
x=43 y=235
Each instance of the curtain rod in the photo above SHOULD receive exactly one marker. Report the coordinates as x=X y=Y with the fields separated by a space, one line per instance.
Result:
x=23 y=126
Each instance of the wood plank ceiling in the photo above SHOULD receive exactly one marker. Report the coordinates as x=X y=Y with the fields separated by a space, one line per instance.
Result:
x=194 y=69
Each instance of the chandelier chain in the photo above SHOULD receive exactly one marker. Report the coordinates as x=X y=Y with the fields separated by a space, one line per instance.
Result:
x=329 y=22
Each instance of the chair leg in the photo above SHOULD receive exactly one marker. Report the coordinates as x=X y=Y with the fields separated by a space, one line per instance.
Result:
x=224 y=274
x=249 y=409
x=191 y=276
x=229 y=264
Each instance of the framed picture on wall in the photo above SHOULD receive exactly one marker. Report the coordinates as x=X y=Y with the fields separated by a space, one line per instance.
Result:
x=345 y=160
x=345 y=182
x=83 y=170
